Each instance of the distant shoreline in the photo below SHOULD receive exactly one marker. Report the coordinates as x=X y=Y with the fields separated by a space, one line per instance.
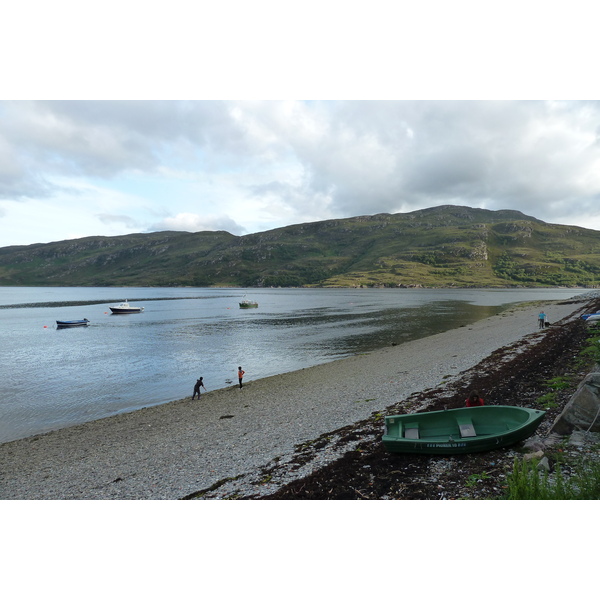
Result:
x=314 y=287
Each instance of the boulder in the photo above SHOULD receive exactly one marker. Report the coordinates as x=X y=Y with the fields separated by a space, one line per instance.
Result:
x=534 y=443
x=582 y=410
x=534 y=455
x=544 y=464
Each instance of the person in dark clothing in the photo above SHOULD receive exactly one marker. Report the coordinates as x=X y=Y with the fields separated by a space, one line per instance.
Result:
x=240 y=375
x=197 y=388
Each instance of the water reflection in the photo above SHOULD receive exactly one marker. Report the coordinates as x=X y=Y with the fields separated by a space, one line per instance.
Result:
x=53 y=378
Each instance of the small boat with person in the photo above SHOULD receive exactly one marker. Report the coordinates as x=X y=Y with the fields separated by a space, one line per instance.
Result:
x=460 y=430
x=125 y=309
x=76 y=323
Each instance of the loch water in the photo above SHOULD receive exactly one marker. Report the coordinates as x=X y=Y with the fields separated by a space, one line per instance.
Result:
x=52 y=378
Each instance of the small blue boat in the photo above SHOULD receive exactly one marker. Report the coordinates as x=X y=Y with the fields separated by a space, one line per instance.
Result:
x=591 y=317
x=76 y=323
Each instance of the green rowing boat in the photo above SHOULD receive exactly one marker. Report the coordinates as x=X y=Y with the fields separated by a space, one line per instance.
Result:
x=460 y=430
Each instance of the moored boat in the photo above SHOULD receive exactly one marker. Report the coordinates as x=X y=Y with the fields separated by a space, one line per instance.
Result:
x=76 y=323
x=248 y=303
x=591 y=317
x=460 y=430
x=124 y=309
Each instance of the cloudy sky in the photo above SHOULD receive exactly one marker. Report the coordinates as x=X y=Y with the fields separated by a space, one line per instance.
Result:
x=76 y=168
x=84 y=163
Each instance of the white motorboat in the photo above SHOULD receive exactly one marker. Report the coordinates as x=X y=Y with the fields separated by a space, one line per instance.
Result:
x=124 y=309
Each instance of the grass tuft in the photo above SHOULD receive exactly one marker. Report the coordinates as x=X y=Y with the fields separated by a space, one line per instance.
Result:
x=527 y=483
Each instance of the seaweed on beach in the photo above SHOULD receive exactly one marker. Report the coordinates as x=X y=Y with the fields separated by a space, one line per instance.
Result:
x=514 y=375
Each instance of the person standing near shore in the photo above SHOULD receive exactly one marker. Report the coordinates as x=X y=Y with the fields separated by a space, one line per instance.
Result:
x=240 y=375
x=199 y=384
x=542 y=320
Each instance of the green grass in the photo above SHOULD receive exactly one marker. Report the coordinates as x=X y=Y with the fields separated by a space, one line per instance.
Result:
x=559 y=383
x=475 y=478
x=591 y=351
x=550 y=400
x=526 y=482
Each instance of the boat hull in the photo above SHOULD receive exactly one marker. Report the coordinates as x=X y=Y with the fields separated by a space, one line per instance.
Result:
x=125 y=309
x=460 y=430
x=66 y=324
x=248 y=304
x=591 y=317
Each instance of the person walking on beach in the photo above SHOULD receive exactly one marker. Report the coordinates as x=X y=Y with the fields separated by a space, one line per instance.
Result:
x=542 y=320
x=240 y=375
x=474 y=399
x=197 y=388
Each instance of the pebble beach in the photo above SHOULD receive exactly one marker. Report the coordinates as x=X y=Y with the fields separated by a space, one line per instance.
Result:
x=171 y=451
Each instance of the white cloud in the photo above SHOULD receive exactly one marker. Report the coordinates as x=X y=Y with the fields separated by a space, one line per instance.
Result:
x=192 y=222
x=118 y=219
x=250 y=166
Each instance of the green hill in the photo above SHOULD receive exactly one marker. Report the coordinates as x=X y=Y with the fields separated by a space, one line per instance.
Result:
x=436 y=247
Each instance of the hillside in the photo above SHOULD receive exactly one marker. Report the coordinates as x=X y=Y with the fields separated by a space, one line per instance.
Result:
x=439 y=247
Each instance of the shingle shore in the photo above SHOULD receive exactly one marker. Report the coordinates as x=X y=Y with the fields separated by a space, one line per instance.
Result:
x=173 y=450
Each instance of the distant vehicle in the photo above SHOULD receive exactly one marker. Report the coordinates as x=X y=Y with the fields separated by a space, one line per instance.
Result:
x=460 y=430
x=125 y=309
x=78 y=323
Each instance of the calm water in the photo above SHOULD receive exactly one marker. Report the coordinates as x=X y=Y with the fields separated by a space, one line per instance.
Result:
x=52 y=378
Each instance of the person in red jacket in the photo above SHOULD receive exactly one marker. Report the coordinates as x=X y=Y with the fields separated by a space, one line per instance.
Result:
x=474 y=399
x=240 y=375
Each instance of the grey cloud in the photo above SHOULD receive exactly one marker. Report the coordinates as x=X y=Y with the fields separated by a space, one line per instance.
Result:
x=389 y=156
x=103 y=139
x=288 y=203
x=519 y=153
x=118 y=220
x=354 y=157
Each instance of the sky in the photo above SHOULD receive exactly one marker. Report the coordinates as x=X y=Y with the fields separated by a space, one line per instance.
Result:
x=94 y=143
x=70 y=169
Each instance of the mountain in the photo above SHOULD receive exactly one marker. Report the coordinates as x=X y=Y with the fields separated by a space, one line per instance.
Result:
x=439 y=247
